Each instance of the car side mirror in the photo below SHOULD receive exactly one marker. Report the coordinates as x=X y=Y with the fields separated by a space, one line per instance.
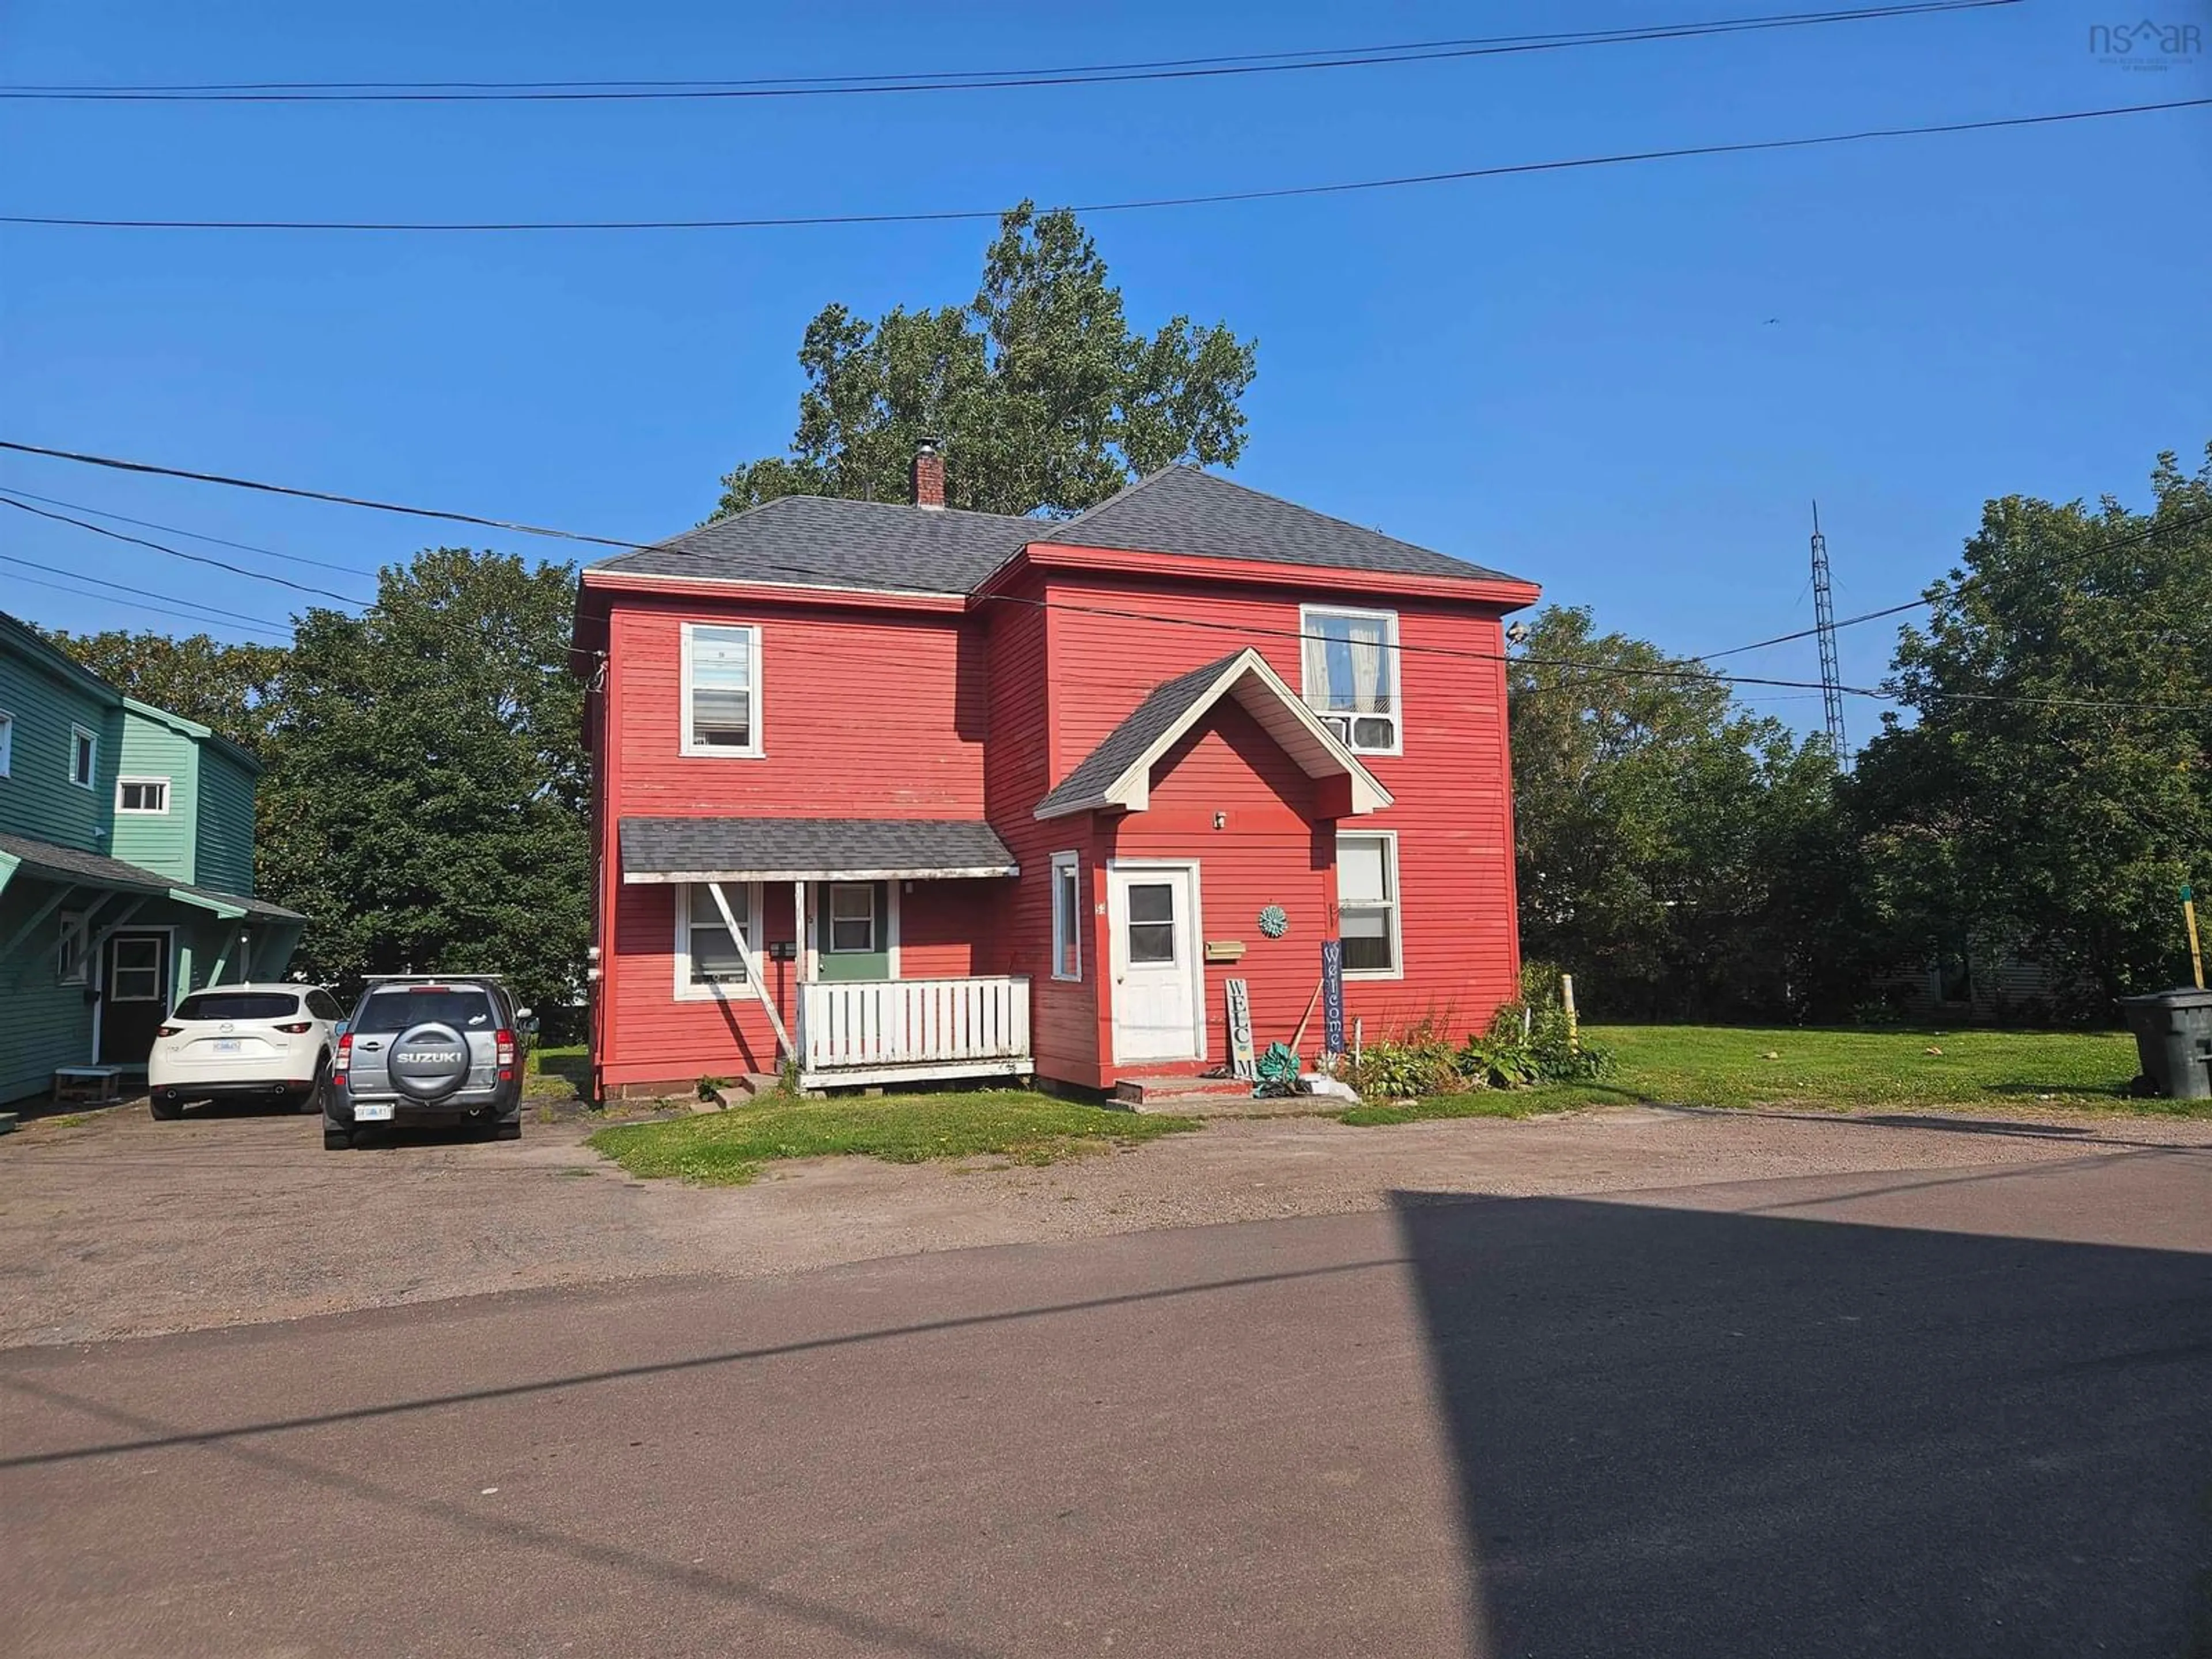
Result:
x=342 y=1027
x=524 y=1014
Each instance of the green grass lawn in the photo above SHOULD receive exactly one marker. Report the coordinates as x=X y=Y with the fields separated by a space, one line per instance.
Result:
x=561 y=1071
x=1728 y=1066
x=728 y=1148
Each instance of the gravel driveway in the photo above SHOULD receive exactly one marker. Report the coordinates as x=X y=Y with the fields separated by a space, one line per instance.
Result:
x=112 y=1225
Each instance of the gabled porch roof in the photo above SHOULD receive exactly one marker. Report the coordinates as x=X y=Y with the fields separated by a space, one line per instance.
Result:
x=1118 y=772
x=811 y=849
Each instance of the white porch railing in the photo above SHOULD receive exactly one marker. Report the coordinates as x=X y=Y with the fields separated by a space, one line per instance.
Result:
x=875 y=1031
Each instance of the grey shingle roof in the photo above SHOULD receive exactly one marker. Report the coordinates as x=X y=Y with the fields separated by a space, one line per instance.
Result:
x=68 y=864
x=1184 y=510
x=814 y=541
x=791 y=849
x=1126 y=743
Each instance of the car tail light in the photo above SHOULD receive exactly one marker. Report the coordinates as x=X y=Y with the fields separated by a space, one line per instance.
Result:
x=504 y=1043
x=297 y=1026
x=343 y=1058
x=169 y=1030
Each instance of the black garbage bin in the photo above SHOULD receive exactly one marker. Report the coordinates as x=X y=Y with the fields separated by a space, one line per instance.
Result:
x=2173 y=1042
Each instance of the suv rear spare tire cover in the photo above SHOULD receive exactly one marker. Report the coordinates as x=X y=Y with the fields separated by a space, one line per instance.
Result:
x=428 y=1061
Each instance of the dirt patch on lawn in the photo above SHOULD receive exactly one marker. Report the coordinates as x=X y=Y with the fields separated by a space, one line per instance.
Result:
x=112 y=1225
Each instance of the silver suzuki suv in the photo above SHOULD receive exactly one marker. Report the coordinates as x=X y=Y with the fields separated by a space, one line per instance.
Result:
x=428 y=1049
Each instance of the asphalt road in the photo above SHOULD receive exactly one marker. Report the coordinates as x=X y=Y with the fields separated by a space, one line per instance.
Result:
x=1962 y=1412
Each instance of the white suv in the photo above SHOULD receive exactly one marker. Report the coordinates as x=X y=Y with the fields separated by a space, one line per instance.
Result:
x=255 y=1041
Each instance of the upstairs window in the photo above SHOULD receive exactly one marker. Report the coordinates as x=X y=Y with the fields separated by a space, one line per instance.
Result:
x=84 y=756
x=722 y=689
x=142 y=795
x=1349 y=662
x=1066 y=908
x=7 y=741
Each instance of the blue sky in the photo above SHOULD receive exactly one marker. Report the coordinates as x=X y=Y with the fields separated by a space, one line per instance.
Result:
x=1570 y=376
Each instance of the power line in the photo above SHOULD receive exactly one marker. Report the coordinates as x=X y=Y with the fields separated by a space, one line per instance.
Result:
x=190 y=535
x=1952 y=591
x=214 y=615
x=1684 y=671
x=1193 y=69
x=119 y=466
x=951 y=215
x=179 y=553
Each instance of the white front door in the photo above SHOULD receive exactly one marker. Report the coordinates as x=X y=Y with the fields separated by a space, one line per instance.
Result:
x=1152 y=914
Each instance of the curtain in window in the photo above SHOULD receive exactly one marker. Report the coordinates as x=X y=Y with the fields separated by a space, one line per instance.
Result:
x=1370 y=692
x=1317 y=662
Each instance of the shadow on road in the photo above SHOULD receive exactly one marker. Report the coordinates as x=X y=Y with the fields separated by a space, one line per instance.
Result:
x=1688 y=1433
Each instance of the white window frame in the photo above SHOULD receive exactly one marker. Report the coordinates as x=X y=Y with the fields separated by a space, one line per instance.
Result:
x=70 y=970
x=878 y=921
x=1393 y=658
x=91 y=740
x=161 y=812
x=7 y=743
x=1397 y=906
x=685 y=990
x=754 y=750
x=1067 y=930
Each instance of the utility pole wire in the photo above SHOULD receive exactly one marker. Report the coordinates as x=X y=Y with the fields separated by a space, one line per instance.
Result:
x=179 y=553
x=1189 y=69
x=953 y=215
x=1688 y=670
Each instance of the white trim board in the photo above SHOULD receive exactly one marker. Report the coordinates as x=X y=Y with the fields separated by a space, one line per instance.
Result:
x=1283 y=714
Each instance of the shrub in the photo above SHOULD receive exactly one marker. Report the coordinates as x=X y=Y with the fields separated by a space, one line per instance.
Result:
x=1532 y=1043
x=1421 y=1063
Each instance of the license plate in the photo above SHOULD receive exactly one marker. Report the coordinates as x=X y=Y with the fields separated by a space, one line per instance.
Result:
x=230 y=1046
x=368 y=1113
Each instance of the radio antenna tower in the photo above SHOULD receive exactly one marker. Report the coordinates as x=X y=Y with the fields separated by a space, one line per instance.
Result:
x=1824 y=624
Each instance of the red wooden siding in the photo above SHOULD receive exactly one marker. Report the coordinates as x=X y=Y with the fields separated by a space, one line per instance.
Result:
x=1453 y=811
x=894 y=712
x=1063 y=1013
x=1267 y=851
x=863 y=713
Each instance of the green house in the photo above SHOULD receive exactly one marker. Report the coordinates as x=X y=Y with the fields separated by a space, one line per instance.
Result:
x=126 y=868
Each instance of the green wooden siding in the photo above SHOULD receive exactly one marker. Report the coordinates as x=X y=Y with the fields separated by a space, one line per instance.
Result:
x=168 y=842
x=225 y=825
x=47 y=1024
x=37 y=798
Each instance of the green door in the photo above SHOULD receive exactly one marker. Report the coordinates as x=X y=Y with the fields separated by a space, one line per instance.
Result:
x=853 y=922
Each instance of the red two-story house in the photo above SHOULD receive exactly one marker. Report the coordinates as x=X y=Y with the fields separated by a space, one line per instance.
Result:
x=887 y=792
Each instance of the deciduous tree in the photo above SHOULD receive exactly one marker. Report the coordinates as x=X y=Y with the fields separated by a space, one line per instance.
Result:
x=1044 y=398
x=425 y=805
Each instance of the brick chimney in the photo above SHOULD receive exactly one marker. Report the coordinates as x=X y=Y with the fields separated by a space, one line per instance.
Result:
x=928 y=475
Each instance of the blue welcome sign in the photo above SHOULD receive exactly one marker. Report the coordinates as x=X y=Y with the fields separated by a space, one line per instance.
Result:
x=1331 y=996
